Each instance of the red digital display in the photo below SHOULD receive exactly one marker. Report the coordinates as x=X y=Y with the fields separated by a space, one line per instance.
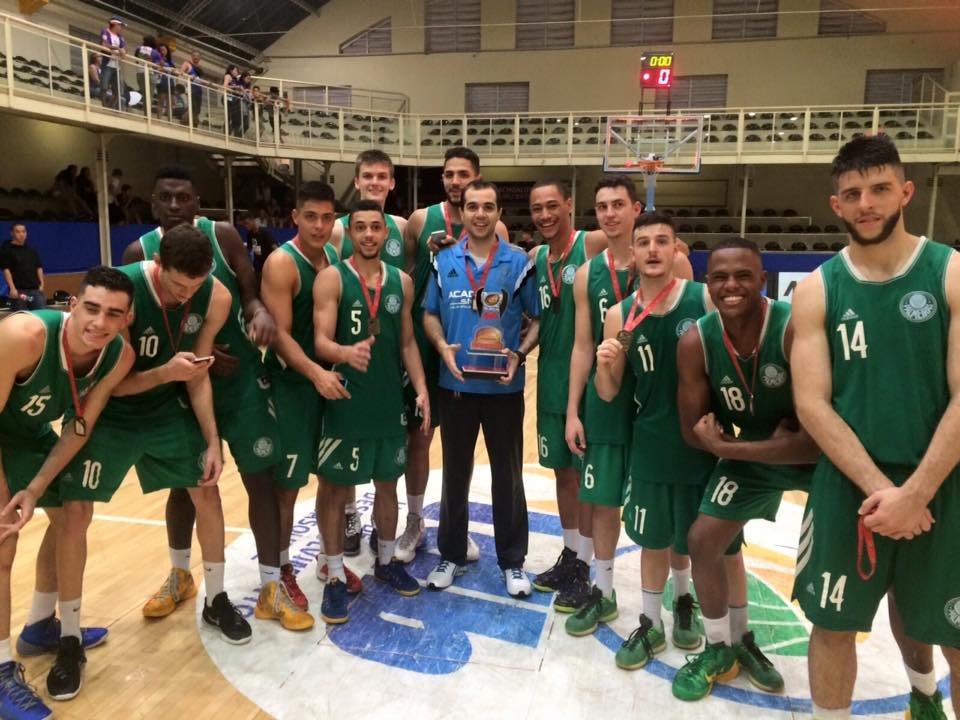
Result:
x=656 y=70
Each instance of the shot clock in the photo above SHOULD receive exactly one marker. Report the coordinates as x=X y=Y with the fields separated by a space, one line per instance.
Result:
x=656 y=70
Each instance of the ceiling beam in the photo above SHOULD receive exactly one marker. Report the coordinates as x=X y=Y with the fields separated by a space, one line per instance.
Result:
x=305 y=6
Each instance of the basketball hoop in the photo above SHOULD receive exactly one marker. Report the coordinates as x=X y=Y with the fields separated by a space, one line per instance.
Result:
x=647 y=167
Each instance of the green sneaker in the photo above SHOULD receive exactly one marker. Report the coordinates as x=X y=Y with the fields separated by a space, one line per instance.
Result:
x=597 y=609
x=717 y=663
x=759 y=669
x=925 y=707
x=643 y=643
x=687 y=628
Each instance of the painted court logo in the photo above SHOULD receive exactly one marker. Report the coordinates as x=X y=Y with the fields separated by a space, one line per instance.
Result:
x=772 y=376
x=952 y=612
x=918 y=306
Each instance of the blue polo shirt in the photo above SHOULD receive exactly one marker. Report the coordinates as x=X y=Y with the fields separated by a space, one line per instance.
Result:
x=450 y=297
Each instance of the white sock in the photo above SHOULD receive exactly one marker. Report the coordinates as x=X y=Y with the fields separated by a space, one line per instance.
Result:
x=821 y=714
x=652 y=605
x=570 y=536
x=6 y=652
x=213 y=579
x=924 y=682
x=335 y=567
x=415 y=504
x=268 y=574
x=717 y=630
x=70 y=618
x=44 y=605
x=681 y=582
x=604 y=579
x=738 y=622
x=350 y=507
x=385 y=550
x=180 y=558
x=284 y=557
x=584 y=548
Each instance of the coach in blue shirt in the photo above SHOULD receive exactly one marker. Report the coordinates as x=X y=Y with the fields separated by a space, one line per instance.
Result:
x=478 y=294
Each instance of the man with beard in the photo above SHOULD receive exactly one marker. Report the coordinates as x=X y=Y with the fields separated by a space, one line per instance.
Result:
x=877 y=333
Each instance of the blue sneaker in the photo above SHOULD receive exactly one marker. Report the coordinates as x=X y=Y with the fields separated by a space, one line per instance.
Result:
x=396 y=576
x=44 y=637
x=333 y=609
x=18 y=700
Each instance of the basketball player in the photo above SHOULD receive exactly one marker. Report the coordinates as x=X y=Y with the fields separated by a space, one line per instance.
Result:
x=55 y=362
x=877 y=330
x=667 y=477
x=428 y=229
x=564 y=250
x=363 y=325
x=602 y=437
x=160 y=421
x=298 y=380
x=241 y=388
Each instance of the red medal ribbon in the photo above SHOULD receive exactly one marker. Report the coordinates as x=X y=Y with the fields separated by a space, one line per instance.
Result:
x=175 y=346
x=732 y=352
x=613 y=277
x=77 y=405
x=486 y=268
x=372 y=307
x=865 y=541
x=632 y=320
x=555 y=286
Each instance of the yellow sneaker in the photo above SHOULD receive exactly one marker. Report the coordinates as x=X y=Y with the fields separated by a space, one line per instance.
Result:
x=178 y=587
x=275 y=604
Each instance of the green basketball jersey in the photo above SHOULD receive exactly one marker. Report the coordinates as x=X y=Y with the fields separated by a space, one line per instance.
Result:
x=46 y=395
x=423 y=267
x=888 y=351
x=607 y=422
x=556 y=325
x=375 y=408
x=392 y=249
x=659 y=453
x=154 y=340
x=773 y=394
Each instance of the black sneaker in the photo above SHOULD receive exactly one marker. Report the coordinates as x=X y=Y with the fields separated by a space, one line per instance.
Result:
x=577 y=590
x=66 y=676
x=222 y=614
x=374 y=545
x=352 y=532
x=556 y=577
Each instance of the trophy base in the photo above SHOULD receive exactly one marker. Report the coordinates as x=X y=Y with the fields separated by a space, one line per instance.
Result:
x=483 y=373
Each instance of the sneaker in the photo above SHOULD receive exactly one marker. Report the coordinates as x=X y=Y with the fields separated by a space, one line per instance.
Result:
x=66 y=676
x=473 y=550
x=694 y=681
x=598 y=609
x=759 y=669
x=275 y=604
x=925 y=707
x=556 y=577
x=178 y=587
x=394 y=574
x=373 y=541
x=333 y=609
x=17 y=698
x=222 y=614
x=354 y=583
x=518 y=584
x=687 y=628
x=288 y=578
x=413 y=537
x=577 y=591
x=352 y=532
x=441 y=577
x=643 y=643
x=44 y=636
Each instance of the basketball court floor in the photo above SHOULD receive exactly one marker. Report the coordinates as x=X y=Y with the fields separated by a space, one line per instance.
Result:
x=471 y=651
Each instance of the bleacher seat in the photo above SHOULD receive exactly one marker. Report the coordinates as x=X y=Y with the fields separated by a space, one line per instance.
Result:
x=798 y=246
x=837 y=246
x=772 y=246
x=831 y=229
x=821 y=246
x=698 y=245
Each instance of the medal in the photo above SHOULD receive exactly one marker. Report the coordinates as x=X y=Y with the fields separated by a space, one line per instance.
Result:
x=625 y=336
x=374 y=326
x=555 y=283
x=373 y=305
x=474 y=285
x=732 y=352
x=79 y=424
x=174 y=346
x=614 y=280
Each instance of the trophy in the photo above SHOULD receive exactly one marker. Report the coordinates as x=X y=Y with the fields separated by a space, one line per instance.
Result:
x=487 y=360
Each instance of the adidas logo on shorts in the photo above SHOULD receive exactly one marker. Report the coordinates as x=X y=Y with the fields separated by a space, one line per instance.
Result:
x=848 y=315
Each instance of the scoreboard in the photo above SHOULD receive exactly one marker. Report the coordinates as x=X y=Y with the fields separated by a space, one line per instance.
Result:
x=656 y=70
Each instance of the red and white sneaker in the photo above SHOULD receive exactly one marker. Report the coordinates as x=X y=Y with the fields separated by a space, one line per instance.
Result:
x=354 y=583
x=288 y=578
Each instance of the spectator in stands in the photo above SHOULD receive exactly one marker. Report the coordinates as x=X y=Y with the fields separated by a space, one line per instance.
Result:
x=23 y=271
x=65 y=190
x=231 y=84
x=179 y=107
x=93 y=70
x=112 y=40
x=165 y=78
x=149 y=54
x=246 y=88
x=86 y=188
x=260 y=243
x=191 y=68
x=113 y=189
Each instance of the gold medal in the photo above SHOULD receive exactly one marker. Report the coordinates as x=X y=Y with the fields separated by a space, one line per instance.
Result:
x=374 y=326
x=625 y=338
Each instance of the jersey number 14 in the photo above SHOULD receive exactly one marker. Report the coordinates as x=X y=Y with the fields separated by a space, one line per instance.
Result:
x=855 y=342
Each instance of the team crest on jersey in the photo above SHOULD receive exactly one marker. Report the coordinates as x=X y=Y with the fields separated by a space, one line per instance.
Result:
x=401 y=457
x=392 y=304
x=393 y=247
x=193 y=323
x=263 y=382
x=952 y=612
x=684 y=325
x=772 y=376
x=263 y=447
x=569 y=272
x=918 y=306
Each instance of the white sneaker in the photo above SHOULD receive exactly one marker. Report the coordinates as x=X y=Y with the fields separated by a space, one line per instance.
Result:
x=411 y=539
x=517 y=583
x=473 y=550
x=441 y=577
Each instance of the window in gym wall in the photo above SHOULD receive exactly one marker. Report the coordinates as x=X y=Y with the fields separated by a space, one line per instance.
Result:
x=744 y=19
x=694 y=91
x=839 y=18
x=636 y=22
x=901 y=86
x=497 y=97
x=375 y=40
x=332 y=95
x=545 y=24
x=453 y=26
